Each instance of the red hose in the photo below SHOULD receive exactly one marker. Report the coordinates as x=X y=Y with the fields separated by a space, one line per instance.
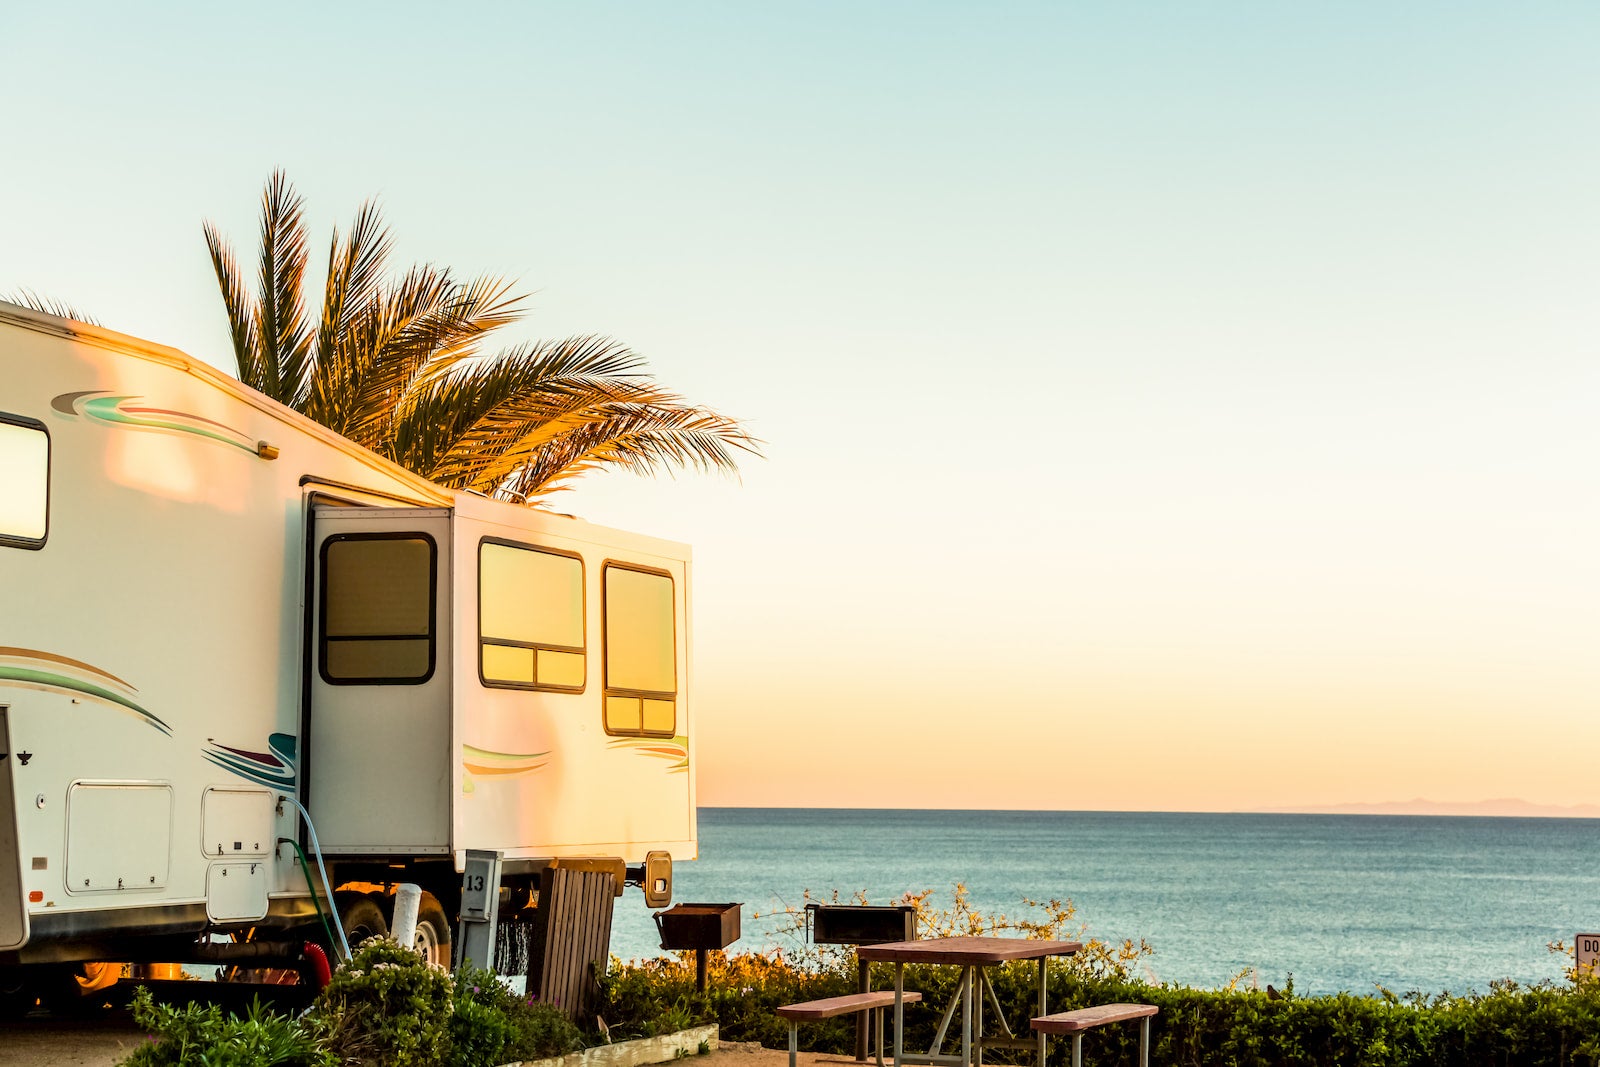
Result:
x=319 y=964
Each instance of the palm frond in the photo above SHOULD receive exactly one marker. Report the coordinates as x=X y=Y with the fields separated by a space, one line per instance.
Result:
x=512 y=423
x=459 y=424
x=480 y=307
x=280 y=312
x=355 y=274
x=390 y=339
x=240 y=309
x=400 y=367
x=645 y=439
x=29 y=298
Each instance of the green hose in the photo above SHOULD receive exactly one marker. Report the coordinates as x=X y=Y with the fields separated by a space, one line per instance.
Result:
x=306 y=870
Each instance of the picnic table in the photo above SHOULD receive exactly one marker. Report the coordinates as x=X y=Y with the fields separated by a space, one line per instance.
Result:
x=972 y=955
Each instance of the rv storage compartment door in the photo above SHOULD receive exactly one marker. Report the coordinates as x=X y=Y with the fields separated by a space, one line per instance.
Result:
x=377 y=762
x=119 y=836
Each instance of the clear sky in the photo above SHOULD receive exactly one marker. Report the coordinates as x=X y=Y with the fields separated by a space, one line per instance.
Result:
x=1168 y=405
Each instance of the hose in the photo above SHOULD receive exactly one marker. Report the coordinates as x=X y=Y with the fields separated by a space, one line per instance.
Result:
x=344 y=942
x=315 y=903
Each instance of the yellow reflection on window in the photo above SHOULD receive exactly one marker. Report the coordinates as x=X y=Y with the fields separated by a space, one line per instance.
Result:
x=530 y=597
x=623 y=715
x=24 y=482
x=641 y=675
x=530 y=617
x=507 y=663
x=639 y=638
x=659 y=717
x=561 y=668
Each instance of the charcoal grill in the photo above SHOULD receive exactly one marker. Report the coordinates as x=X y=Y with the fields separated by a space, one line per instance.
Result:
x=698 y=928
x=861 y=924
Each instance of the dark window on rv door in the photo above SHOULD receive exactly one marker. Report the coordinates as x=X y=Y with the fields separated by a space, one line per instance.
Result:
x=530 y=618
x=24 y=482
x=641 y=653
x=377 y=609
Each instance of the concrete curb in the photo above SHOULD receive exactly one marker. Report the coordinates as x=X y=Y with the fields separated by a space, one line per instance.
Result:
x=639 y=1052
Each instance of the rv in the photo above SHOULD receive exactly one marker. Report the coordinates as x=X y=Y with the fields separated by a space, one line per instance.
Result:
x=237 y=651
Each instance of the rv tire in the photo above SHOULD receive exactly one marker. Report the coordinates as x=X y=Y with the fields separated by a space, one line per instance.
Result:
x=76 y=990
x=361 y=916
x=433 y=932
x=17 y=995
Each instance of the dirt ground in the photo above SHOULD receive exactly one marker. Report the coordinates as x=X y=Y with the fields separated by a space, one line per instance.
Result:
x=105 y=1042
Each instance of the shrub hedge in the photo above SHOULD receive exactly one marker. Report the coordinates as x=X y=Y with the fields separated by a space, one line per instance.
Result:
x=1509 y=1026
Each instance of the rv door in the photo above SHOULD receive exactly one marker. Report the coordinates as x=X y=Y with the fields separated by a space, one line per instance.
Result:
x=377 y=753
x=13 y=914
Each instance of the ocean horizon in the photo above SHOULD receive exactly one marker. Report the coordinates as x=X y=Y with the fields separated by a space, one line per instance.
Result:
x=1342 y=902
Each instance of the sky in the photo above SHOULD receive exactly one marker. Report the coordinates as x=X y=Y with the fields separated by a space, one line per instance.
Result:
x=1166 y=406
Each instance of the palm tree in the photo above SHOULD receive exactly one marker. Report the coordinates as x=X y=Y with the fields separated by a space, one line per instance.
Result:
x=29 y=298
x=399 y=365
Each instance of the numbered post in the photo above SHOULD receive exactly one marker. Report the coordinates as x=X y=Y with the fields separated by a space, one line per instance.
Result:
x=1586 y=954
x=480 y=908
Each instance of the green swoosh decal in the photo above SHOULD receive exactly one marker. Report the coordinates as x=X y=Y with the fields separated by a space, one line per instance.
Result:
x=109 y=408
x=88 y=689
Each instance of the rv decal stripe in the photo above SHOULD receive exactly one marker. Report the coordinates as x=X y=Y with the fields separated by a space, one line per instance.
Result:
x=48 y=680
x=476 y=768
x=658 y=748
x=115 y=410
x=250 y=772
x=50 y=657
x=502 y=757
x=201 y=420
x=263 y=758
x=274 y=768
x=481 y=761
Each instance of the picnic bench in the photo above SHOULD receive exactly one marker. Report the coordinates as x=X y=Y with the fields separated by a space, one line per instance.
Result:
x=811 y=1010
x=1077 y=1021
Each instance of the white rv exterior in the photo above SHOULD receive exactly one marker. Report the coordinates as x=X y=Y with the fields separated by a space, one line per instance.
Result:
x=209 y=603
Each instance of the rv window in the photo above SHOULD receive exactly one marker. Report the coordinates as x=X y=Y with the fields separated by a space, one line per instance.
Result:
x=530 y=618
x=641 y=653
x=377 y=609
x=24 y=482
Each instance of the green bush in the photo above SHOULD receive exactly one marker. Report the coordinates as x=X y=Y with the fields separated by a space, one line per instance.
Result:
x=180 y=1037
x=387 y=1006
x=494 y=1025
x=1510 y=1026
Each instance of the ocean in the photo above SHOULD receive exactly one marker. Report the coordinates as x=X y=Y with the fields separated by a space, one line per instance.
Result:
x=1341 y=902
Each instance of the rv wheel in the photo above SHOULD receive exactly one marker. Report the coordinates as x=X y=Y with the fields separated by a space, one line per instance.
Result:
x=433 y=932
x=361 y=917
x=17 y=996
x=77 y=990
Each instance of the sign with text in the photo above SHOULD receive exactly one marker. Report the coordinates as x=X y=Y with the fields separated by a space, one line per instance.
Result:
x=1587 y=953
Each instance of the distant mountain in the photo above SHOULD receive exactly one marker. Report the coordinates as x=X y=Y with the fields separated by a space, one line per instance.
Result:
x=1509 y=807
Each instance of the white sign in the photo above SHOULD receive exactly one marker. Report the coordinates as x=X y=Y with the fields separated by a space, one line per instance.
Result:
x=1587 y=947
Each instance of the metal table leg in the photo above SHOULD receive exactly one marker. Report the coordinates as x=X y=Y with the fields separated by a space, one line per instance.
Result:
x=966 y=1013
x=981 y=986
x=899 y=1011
x=1043 y=1009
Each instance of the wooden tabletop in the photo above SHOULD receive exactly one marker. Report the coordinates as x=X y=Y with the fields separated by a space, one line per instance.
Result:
x=965 y=951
